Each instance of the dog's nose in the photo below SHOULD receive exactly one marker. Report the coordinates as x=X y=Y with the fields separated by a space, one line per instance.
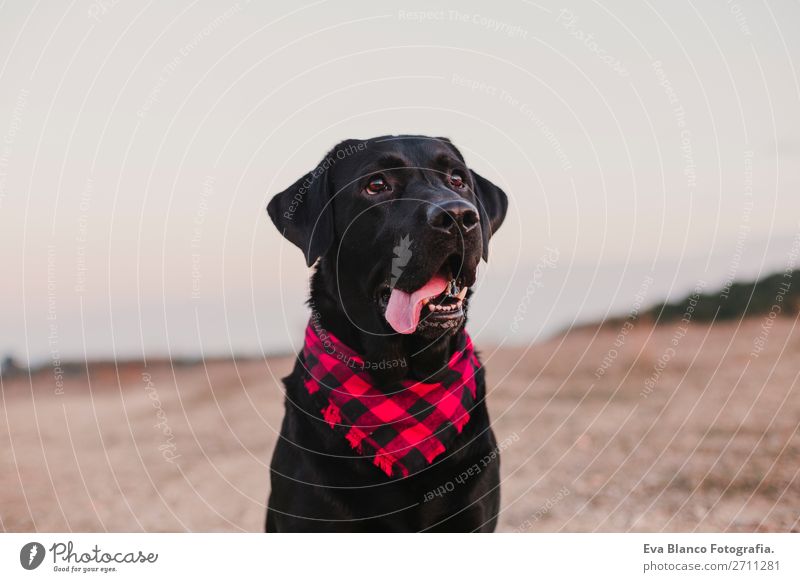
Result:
x=445 y=215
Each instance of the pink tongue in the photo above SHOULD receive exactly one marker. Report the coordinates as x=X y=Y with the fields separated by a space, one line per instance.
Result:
x=402 y=311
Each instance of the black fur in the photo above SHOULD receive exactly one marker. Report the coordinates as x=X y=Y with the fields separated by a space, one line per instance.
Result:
x=318 y=482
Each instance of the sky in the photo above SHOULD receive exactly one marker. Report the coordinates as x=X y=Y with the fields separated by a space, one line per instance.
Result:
x=646 y=148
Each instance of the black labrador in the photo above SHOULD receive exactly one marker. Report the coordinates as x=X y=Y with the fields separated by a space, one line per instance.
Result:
x=381 y=214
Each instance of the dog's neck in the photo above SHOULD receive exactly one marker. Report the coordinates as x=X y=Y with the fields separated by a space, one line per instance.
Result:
x=405 y=356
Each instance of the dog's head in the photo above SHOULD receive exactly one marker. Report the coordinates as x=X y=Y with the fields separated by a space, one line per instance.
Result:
x=400 y=224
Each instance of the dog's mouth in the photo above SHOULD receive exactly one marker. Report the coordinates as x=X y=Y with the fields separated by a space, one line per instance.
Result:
x=438 y=303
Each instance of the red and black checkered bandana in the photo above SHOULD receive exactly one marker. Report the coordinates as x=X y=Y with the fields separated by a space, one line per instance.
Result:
x=404 y=428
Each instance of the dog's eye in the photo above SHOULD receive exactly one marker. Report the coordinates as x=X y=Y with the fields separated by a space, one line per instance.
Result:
x=457 y=180
x=377 y=185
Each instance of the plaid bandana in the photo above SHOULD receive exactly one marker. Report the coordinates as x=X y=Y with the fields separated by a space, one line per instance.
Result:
x=403 y=429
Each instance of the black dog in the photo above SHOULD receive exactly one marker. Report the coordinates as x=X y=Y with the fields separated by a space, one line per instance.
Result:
x=387 y=217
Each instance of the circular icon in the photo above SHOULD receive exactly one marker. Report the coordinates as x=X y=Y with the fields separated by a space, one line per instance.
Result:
x=31 y=555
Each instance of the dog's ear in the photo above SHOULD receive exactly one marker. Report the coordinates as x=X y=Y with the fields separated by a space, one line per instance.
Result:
x=303 y=213
x=492 y=206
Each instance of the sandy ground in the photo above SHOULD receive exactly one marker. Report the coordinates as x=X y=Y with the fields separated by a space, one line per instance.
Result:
x=713 y=446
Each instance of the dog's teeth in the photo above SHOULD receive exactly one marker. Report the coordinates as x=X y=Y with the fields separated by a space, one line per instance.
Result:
x=462 y=293
x=431 y=306
x=426 y=300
